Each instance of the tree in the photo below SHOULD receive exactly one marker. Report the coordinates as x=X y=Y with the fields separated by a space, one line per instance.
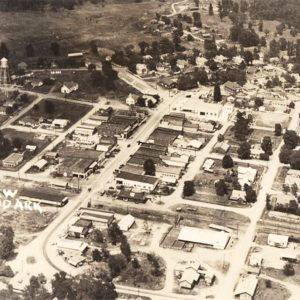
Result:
x=188 y=188
x=116 y=264
x=227 y=162
x=55 y=49
x=24 y=98
x=220 y=137
x=36 y=291
x=94 y=48
x=4 y=52
x=284 y=155
x=135 y=263
x=291 y=139
x=288 y=269
x=295 y=160
x=149 y=167
x=190 y=38
x=210 y=10
x=87 y=287
x=261 y=26
x=251 y=196
x=242 y=125
x=114 y=233
x=125 y=248
x=17 y=142
x=30 y=50
x=266 y=145
x=248 y=57
x=5 y=146
x=49 y=107
x=278 y=129
x=96 y=255
x=244 y=151
x=221 y=187
x=62 y=286
x=292 y=105
x=96 y=236
x=6 y=241
x=258 y=102
x=217 y=93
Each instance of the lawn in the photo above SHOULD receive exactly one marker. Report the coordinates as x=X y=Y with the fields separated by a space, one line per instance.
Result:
x=143 y=276
x=205 y=184
x=254 y=138
x=89 y=92
x=278 y=274
x=275 y=292
x=61 y=110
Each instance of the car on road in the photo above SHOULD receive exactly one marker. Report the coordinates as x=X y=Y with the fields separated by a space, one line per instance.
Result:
x=193 y=209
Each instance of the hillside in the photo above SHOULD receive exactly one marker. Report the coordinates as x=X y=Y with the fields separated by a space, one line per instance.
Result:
x=287 y=11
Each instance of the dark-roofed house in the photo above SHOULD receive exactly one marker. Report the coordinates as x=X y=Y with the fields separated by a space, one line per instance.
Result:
x=163 y=136
x=140 y=182
x=100 y=218
x=128 y=195
x=80 y=228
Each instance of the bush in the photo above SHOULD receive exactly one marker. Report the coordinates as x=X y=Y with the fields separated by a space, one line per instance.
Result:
x=264 y=156
x=188 y=189
x=6 y=271
x=268 y=284
x=288 y=270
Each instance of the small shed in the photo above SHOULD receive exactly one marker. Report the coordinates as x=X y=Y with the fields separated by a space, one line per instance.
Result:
x=276 y=240
x=126 y=222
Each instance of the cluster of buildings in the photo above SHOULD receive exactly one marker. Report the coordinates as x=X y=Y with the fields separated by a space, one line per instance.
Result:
x=189 y=275
x=168 y=149
x=48 y=123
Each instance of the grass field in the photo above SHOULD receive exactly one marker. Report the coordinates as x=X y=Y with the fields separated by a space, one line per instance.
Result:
x=275 y=292
x=113 y=25
x=86 y=89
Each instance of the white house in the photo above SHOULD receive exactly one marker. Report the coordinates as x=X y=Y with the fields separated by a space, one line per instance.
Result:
x=141 y=69
x=60 y=123
x=69 y=87
x=132 y=99
x=246 y=287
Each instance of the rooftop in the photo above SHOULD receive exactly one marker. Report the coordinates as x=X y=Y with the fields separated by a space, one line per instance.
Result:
x=138 y=178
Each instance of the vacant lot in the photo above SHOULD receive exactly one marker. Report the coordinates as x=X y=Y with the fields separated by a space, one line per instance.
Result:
x=59 y=110
x=74 y=30
x=275 y=292
x=280 y=178
x=269 y=119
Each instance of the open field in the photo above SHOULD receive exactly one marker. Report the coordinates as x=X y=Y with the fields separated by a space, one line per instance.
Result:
x=269 y=119
x=61 y=110
x=275 y=292
x=87 y=91
x=74 y=29
x=280 y=178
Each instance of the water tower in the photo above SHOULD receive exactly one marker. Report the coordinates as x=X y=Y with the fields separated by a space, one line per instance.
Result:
x=4 y=74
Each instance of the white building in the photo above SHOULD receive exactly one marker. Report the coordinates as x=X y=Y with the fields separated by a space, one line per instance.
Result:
x=60 y=123
x=211 y=238
x=69 y=87
x=246 y=287
x=276 y=240
x=126 y=222
x=195 y=109
x=140 y=182
x=132 y=99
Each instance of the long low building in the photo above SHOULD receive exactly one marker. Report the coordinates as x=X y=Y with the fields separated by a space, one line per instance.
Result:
x=211 y=238
x=141 y=182
x=44 y=197
x=74 y=245
x=101 y=217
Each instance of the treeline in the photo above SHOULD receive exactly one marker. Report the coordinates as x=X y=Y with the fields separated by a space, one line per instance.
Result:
x=40 y=5
x=287 y=11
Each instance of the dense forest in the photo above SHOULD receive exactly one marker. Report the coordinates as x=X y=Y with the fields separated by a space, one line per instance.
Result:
x=286 y=11
x=39 y=5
